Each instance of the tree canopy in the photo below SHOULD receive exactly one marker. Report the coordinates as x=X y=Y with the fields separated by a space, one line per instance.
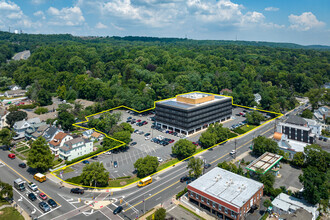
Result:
x=95 y=174
x=254 y=118
x=146 y=166
x=40 y=156
x=262 y=144
x=15 y=116
x=183 y=149
x=195 y=167
x=214 y=134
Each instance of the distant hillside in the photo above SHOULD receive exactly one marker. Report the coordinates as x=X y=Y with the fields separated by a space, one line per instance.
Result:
x=30 y=41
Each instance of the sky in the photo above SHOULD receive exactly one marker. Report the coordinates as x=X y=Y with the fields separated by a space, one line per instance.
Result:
x=303 y=22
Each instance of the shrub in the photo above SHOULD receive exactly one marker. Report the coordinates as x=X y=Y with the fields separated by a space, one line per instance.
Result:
x=181 y=193
x=76 y=180
x=41 y=110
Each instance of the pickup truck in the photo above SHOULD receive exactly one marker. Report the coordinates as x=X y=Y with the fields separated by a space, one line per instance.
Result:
x=32 y=186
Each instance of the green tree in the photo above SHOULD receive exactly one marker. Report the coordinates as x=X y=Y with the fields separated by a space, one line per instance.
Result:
x=316 y=184
x=317 y=157
x=262 y=144
x=160 y=214
x=41 y=110
x=94 y=174
x=183 y=149
x=267 y=203
x=268 y=179
x=298 y=159
x=40 y=156
x=195 y=166
x=208 y=139
x=254 y=118
x=124 y=136
x=127 y=127
x=65 y=119
x=307 y=114
x=230 y=167
x=6 y=136
x=6 y=190
x=15 y=116
x=61 y=92
x=44 y=97
x=146 y=166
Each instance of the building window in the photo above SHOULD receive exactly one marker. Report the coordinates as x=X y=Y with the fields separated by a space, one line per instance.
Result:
x=196 y=196
x=220 y=207
x=202 y=199
x=208 y=202
x=226 y=210
x=233 y=213
x=244 y=210
x=213 y=205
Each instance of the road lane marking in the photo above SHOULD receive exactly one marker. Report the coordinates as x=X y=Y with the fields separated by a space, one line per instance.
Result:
x=158 y=198
x=27 y=200
x=29 y=181
x=104 y=214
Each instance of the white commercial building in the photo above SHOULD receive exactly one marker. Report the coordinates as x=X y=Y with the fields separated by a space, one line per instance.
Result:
x=76 y=147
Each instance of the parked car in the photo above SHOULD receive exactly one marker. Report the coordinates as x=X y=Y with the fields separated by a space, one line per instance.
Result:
x=42 y=196
x=129 y=118
x=147 y=134
x=133 y=143
x=108 y=152
x=136 y=131
x=233 y=152
x=141 y=132
x=147 y=138
x=118 y=210
x=145 y=122
x=77 y=191
x=22 y=165
x=194 y=143
x=32 y=197
x=44 y=206
x=138 y=120
x=95 y=157
x=11 y=156
x=85 y=162
x=52 y=203
x=32 y=186
x=115 y=164
x=184 y=179
x=159 y=159
x=206 y=166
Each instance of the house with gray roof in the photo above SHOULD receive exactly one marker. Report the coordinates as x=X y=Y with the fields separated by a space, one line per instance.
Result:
x=322 y=113
x=32 y=129
x=21 y=126
x=74 y=148
x=50 y=133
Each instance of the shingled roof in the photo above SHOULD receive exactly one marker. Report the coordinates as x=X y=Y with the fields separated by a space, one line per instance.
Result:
x=296 y=120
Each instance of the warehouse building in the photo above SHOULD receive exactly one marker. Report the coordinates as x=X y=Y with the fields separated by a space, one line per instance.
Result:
x=224 y=194
x=189 y=113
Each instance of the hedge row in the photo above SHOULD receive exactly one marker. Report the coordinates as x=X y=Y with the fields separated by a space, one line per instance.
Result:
x=181 y=193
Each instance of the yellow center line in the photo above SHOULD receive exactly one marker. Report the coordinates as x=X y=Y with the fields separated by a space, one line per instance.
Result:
x=239 y=147
x=28 y=181
x=152 y=195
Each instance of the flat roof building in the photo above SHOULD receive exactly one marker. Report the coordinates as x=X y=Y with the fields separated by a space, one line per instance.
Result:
x=192 y=112
x=225 y=194
x=267 y=161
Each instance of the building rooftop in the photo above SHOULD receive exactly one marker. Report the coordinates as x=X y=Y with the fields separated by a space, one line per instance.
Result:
x=192 y=100
x=226 y=186
x=264 y=162
x=290 y=204
x=58 y=139
x=293 y=119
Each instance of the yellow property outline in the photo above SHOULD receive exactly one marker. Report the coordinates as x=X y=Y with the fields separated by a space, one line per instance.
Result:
x=122 y=143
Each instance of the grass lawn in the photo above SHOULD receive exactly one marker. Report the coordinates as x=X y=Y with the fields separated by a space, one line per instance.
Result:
x=199 y=150
x=3 y=202
x=22 y=148
x=67 y=170
x=244 y=129
x=10 y=213
x=231 y=135
x=116 y=183
x=25 y=153
x=56 y=162
x=167 y=164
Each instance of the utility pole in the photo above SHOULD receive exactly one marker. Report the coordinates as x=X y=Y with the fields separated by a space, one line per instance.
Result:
x=144 y=203
x=235 y=147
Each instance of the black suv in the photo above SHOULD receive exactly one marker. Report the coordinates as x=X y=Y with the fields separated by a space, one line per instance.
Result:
x=207 y=166
x=184 y=179
x=77 y=191
x=32 y=197
x=95 y=157
x=52 y=203
x=22 y=165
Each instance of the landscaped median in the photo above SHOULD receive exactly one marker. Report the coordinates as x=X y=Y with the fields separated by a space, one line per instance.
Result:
x=243 y=129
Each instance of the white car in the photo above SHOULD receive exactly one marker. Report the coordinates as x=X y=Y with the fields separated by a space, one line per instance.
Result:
x=147 y=138
x=233 y=152
x=108 y=152
x=33 y=186
x=159 y=159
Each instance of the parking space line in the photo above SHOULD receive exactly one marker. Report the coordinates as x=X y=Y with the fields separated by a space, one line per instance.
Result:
x=27 y=200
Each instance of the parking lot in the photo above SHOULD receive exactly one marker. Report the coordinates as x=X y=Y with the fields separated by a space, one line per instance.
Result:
x=121 y=164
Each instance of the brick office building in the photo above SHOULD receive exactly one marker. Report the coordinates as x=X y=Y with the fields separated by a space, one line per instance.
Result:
x=192 y=112
x=224 y=194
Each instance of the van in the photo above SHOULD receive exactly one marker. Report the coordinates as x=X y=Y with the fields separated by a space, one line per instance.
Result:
x=39 y=177
x=145 y=181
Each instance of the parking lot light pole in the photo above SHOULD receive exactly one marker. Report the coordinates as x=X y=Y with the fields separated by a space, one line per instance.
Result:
x=144 y=202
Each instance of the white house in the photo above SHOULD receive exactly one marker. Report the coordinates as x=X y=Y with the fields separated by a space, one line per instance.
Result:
x=87 y=134
x=76 y=147
x=58 y=141
x=21 y=126
x=15 y=93
x=322 y=113
x=285 y=204
x=96 y=136
x=288 y=145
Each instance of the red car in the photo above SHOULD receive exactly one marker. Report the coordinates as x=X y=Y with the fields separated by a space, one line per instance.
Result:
x=11 y=156
x=138 y=120
x=171 y=141
x=194 y=143
x=170 y=132
x=144 y=123
x=42 y=196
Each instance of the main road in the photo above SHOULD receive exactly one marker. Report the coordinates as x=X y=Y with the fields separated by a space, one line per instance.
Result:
x=134 y=200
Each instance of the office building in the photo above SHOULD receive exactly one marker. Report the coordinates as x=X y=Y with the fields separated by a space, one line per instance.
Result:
x=192 y=112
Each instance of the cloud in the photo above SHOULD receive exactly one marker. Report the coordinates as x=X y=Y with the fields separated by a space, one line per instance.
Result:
x=305 y=21
x=40 y=14
x=38 y=2
x=101 y=26
x=271 y=9
x=117 y=27
x=66 y=16
x=13 y=16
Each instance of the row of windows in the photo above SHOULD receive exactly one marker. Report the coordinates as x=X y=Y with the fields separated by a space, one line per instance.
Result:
x=214 y=204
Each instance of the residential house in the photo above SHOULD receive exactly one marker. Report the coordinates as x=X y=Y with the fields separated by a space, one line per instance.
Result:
x=39 y=132
x=74 y=148
x=14 y=87
x=3 y=115
x=32 y=129
x=285 y=204
x=50 y=133
x=322 y=113
x=58 y=141
x=15 y=93
x=257 y=98
x=287 y=145
x=88 y=133
x=21 y=126
x=96 y=136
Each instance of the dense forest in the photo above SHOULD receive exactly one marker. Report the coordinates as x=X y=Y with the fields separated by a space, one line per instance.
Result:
x=135 y=71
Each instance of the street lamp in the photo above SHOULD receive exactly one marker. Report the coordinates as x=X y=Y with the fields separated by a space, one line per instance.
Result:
x=144 y=202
